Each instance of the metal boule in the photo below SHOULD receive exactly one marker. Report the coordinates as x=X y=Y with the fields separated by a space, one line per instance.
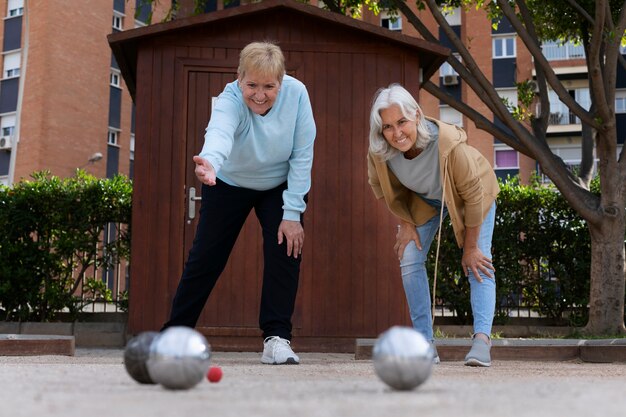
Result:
x=136 y=355
x=179 y=358
x=403 y=358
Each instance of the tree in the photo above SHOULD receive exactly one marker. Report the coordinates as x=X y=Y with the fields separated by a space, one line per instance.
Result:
x=598 y=25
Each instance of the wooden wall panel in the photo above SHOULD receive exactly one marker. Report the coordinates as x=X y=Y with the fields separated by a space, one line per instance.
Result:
x=140 y=294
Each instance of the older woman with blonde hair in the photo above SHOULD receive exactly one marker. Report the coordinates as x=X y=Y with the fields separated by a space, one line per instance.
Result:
x=257 y=154
x=424 y=170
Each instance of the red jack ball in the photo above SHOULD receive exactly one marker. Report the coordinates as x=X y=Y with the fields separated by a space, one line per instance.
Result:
x=215 y=374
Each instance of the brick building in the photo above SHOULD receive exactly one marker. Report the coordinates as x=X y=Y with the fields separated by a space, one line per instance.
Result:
x=63 y=103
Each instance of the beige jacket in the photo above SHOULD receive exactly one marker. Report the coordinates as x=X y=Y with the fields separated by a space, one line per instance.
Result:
x=469 y=184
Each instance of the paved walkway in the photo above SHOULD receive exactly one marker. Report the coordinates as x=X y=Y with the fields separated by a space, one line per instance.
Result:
x=94 y=382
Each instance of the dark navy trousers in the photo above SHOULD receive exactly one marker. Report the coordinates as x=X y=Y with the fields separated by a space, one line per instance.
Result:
x=223 y=213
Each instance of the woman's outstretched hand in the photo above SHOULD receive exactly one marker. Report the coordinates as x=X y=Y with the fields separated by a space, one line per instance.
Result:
x=204 y=170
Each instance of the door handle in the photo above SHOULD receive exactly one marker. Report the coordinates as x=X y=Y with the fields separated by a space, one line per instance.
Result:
x=192 y=203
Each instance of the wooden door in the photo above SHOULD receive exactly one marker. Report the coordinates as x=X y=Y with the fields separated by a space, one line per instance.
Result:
x=233 y=306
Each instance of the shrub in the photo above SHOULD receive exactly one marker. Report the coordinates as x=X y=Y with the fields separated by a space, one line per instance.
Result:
x=541 y=252
x=53 y=234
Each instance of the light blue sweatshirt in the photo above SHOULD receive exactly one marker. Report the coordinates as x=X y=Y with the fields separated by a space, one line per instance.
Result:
x=261 y=152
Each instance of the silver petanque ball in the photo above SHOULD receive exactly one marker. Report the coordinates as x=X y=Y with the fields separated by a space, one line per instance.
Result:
x=179 y=358
x=136 y=356
x=402 y=357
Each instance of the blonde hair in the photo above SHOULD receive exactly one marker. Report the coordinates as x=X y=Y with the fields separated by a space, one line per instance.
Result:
x=385 y=98
x=264 y=58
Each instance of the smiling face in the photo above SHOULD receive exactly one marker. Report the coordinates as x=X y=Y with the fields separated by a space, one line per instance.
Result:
x=399 y=131
x=259 y=91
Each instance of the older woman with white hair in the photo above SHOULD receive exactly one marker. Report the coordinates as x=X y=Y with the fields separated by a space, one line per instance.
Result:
x=424 y=169
x=257 y=154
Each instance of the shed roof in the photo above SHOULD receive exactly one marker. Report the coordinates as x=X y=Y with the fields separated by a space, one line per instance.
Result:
x=125 y=44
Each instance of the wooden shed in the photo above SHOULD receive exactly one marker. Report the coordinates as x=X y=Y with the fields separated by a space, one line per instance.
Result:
x=350 y=285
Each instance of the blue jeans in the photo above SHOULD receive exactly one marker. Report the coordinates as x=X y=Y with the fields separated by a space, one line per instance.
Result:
x=416 y=287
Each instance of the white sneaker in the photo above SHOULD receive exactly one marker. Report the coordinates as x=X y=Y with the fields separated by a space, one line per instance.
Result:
x=277 y=351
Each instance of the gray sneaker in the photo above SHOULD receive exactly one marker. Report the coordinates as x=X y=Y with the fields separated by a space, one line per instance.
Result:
x=277 y=351
x=436 y=359
x=479 y=354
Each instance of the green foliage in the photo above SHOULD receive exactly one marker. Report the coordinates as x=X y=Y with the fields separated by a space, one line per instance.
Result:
x=559 y=20
x=53 y=234
x=541 y=251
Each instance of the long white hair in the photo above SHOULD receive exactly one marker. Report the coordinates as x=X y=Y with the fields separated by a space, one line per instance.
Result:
x=385 y=98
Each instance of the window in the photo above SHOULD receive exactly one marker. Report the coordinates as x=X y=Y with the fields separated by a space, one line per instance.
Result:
x=506 y=159
x=7 y=130
x=509 y=97
x=15 y=8
x=115 y=78
x=504 y=47
x=620 y=101
x=391 y=22
x=132 y=146
x=118 y=21
x=7 y=125
x=453 y=16
x=15 y=72
x=113 y=138
x=446 y=68
x=450 y=115
x=560 y=113
x=11 y=65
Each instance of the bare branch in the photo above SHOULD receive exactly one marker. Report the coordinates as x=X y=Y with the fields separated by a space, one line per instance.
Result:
x=334 y=6
x=481 y=121
x=425 y=32
x=594 y=63
x=414 y=20
x=479 y=82
x=540 y=124
x=587 y=159
x=540 y=59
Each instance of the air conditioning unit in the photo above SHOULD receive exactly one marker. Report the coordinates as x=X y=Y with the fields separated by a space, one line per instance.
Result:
x=5 y=142
x=450 y=79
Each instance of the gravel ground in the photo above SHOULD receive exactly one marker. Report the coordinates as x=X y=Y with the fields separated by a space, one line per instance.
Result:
x=94 y=382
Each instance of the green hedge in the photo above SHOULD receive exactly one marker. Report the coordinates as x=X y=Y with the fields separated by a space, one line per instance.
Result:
x=53 y=235
x=541 y=252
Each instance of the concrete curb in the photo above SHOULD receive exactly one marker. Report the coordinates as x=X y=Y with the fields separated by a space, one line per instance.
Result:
x=31 y=345
x=599 y=351
x=59 y=338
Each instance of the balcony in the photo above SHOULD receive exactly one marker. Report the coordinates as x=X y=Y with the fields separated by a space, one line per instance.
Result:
x=554 y=51
x=561 y=120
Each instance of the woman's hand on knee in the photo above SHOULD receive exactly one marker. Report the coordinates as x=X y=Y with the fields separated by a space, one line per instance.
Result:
x=293 y=232
x=474 y=261
x=406 y=233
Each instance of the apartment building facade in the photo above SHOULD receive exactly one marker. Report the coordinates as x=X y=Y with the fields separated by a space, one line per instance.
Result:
x=63 y=103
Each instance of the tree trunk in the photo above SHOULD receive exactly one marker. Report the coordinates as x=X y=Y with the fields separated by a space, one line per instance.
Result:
x=606 y=299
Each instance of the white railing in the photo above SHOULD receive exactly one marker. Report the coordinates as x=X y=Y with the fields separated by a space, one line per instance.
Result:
x=555 y=51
